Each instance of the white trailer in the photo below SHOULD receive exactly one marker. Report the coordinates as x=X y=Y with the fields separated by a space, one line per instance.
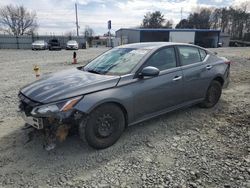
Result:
x=183 y=37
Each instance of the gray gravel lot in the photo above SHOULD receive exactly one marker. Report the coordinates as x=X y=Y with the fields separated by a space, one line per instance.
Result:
x=192 y=147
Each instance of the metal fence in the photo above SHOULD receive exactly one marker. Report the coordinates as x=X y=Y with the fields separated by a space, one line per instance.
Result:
x=24 y=42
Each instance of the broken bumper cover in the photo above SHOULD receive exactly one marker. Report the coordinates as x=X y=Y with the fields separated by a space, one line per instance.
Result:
x=48 y=120
x=55 y=120
x=42 y=115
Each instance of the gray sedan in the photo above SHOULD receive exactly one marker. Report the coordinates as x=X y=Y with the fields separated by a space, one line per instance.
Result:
x=124 y=86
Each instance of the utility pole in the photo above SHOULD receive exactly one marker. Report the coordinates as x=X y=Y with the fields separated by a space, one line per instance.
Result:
x=181 y=13
x=77 y=26
x=181 y=17
x=109 y=27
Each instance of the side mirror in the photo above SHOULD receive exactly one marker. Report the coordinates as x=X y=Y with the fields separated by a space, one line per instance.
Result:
x=149 y=71
x=220 y=44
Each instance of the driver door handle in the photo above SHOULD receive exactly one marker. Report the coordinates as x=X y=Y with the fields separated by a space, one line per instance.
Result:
x=176 y=78
x=209 y=67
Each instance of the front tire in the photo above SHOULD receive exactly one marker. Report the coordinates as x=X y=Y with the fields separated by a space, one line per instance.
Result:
x=103 y=127
x=213 y=95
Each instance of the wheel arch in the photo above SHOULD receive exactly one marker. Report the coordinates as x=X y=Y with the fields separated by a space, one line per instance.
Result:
x=219 y=79
x=117 y=103
x=122 y=107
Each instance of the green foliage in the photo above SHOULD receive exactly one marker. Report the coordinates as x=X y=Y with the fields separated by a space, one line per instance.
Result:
x=184 y=23
x=156 y=20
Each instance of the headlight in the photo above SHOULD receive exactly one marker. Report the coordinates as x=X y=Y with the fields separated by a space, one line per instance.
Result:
x=47 y=109
x=62 y=106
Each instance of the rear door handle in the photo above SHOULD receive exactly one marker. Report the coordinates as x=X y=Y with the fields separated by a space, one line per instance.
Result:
x=209 y=67
x=176 y=78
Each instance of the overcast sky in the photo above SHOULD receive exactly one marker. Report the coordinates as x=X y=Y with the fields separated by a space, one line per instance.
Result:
x=58 y=16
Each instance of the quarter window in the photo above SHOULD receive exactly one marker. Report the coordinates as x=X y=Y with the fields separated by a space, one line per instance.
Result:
x=163 y=59
x=189 y=55
x=203 y=54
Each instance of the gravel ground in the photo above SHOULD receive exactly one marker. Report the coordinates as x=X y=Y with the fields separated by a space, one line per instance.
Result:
x=192 y=147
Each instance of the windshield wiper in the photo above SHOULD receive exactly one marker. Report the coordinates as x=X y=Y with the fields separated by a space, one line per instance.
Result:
x=93 y=71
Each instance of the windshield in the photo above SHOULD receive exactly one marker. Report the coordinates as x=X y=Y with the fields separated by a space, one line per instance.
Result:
x=72 y=42
x=54 y=40
x=118 y=61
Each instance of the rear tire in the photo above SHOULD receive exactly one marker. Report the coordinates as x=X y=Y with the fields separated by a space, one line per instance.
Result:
x=103 y=127
x=213 y=95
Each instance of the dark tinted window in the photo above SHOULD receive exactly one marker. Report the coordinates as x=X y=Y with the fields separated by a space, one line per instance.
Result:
x=163 y=59
x=54 y=40
x=189 y=55
x=203 y=54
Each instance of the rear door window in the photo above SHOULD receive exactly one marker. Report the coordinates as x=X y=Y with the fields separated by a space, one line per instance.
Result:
x=189 y=55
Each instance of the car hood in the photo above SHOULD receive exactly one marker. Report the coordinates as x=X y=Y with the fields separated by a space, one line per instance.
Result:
x=66 y=84
x=71 y=43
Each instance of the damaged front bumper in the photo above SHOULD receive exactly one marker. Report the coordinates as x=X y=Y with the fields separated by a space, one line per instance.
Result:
x=54 y=125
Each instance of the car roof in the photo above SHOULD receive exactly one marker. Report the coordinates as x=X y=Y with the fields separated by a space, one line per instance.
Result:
x=153 y=45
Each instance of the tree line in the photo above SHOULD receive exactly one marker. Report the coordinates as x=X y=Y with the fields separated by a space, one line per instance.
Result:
x=234 y=21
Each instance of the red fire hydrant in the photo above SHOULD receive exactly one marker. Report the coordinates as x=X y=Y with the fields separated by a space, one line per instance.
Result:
x=74 y=58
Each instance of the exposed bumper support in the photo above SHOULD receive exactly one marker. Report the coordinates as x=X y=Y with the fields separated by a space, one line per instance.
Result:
x=34 y=122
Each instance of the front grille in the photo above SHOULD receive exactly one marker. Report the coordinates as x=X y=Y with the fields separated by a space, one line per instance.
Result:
x=26 y=104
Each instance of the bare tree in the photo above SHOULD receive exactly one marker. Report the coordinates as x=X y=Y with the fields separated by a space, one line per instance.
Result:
x=17 y=20
x=232 y=20
x=88 y=32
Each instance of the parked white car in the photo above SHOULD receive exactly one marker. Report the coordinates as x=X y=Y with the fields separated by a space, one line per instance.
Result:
x=72 y=45
x=39 y=45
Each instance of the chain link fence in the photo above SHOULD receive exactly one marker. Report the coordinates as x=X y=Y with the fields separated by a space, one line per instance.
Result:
x=24 y=42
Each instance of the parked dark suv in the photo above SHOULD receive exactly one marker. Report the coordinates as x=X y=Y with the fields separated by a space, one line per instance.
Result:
x=123 y=86
x=54 y=44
